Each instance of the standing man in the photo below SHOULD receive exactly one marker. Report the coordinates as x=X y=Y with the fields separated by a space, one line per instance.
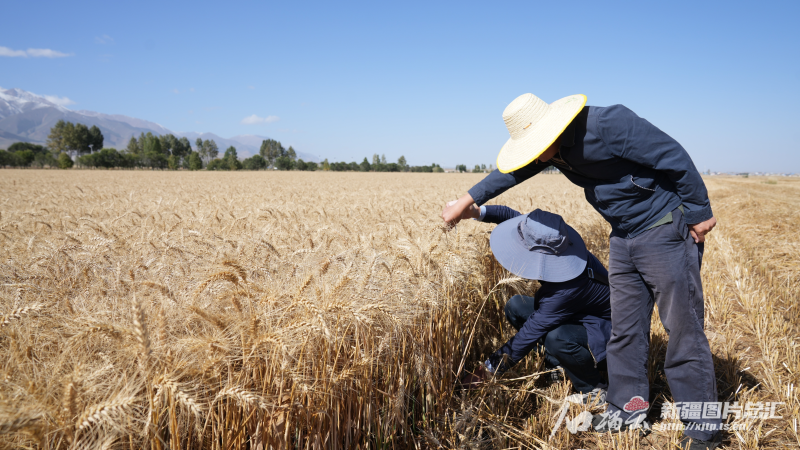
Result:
x=646 y=186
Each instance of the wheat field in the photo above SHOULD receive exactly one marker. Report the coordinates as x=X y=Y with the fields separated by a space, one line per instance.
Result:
x=331 y=310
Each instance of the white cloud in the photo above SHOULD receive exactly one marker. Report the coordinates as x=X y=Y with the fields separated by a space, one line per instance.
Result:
x=254 y=119
x=251 y=87
x=175 y=91
x=104 y=39
x=5 y=51
x=46 y=53
x=32 y=53
x=60 y=101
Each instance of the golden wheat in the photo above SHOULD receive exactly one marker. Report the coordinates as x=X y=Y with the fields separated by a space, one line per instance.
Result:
x=328 y=310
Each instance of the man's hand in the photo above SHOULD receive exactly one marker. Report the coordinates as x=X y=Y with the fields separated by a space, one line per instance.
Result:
x=459 y=209
x=700 y=230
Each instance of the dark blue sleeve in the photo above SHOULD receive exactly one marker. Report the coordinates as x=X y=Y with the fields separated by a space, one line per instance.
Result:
x=600 y=272
x=635 y=139
x=553 y=311
x=498 y=182
x=499 y=214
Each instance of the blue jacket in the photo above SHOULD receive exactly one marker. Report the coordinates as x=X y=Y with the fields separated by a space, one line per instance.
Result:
x=631 y=172
x=581 y=300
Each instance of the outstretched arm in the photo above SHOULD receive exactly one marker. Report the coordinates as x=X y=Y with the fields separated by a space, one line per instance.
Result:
x=486 y=213
x=490 y=187
x=498 y=182
x=497 y=213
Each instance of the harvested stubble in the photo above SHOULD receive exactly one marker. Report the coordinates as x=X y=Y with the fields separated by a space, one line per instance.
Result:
x=321 y=310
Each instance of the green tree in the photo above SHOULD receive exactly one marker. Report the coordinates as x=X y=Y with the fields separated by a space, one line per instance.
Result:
x=168 y=143
x=383 y=159
x=44 y=159
x=217 y=164
x=182 y=148
x=173 y=162
x=58 y=137
x=24 y=158
x=255 y=162
x=145 y=142
x=365 y=166
x=171 y=145
x=300 y=165
x=6 y=158
x=284 y=163
x=152 y=154
x=401 y=162
x=64 y=161
x=291 y=154
x=28 y=154
x=95 y=139
x=232 y=159
x=35 y=148
x=76 y=139
x=326 y=166
x=106 y=157
x=193 y=161
x=133 y=147
x=477 y=169
x=210 y=149
x=81 y=140
x=271 y=150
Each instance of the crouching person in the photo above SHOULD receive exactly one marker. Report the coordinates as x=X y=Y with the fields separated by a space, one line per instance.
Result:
x=570 y=314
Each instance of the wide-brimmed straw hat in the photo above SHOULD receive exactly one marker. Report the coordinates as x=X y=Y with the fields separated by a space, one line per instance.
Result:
x=539 y=246
x=534 y=125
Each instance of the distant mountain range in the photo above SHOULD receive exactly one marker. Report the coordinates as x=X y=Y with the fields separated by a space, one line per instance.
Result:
x=27 y=117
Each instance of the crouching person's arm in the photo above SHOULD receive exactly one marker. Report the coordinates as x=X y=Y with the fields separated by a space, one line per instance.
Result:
x=552 y=312
x=487 y=213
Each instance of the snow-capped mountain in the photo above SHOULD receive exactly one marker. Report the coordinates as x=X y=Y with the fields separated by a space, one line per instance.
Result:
x=17 y=101
x=28 y=117
x=25 y=116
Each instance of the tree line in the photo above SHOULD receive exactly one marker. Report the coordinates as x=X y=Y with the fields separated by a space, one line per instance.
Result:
x=69 y=144
x=479 y=168
x=378 y=164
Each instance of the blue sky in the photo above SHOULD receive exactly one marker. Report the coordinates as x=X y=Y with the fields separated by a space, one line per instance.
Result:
x=428 y=80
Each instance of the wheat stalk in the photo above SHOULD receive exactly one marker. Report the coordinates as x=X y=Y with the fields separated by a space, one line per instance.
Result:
x=362 y=317
x=19 y=312
x=104 y=412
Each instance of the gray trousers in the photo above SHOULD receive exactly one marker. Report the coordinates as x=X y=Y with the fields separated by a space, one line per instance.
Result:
x=661 y=265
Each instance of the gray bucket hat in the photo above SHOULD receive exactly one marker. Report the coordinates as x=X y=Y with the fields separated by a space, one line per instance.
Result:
x=539 y=246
